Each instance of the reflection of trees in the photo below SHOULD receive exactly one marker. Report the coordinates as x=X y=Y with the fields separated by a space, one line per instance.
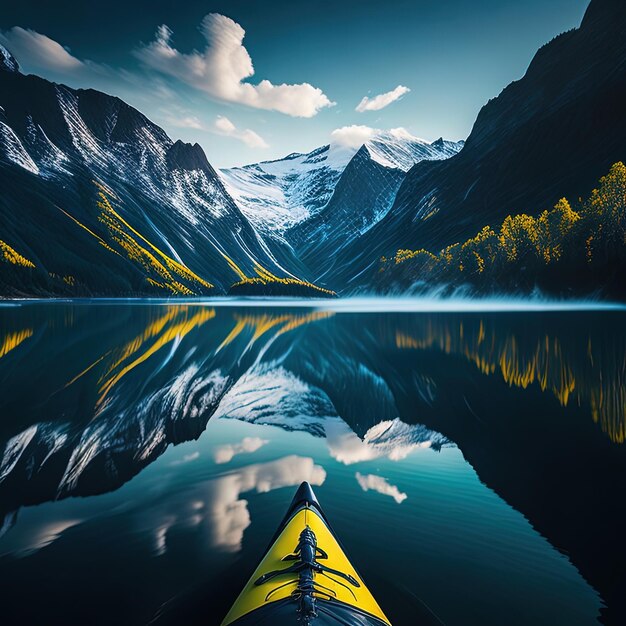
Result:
x=173 y=325
x=588 y=369
x=13 y=339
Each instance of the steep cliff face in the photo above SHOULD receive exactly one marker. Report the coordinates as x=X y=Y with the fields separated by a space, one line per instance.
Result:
x=552 y=133
x=98 y=200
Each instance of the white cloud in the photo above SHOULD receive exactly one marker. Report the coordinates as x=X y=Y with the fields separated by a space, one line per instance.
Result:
x=186 y=459
x=356 y=135
x=216 y=508
x=223 y=126
x=392 y=439
x=32 y=49
x=352 y=136
x=403 y=133
x=225 y=453
x=223 y=65
x=186 y=121
x=380 y=485
x=381 y=100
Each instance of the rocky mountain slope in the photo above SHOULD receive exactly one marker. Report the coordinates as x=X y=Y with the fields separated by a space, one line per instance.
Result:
x=321 y=201
x=98 y=200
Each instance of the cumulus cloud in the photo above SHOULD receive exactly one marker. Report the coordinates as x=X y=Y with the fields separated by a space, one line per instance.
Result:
x=223 y=126
x=217 y=508
x=352 y=136
x=403 y=133
x=222 y=67
x=381 y=100
x=32 y=49
x=356 y=135
x=220 y=126
x=225 y=453
x=379 y=484
x=392 y=439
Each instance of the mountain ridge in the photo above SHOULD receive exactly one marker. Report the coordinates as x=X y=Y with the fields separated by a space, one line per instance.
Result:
x=110 y=205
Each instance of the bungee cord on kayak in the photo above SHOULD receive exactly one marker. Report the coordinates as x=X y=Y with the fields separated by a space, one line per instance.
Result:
x=307 y=566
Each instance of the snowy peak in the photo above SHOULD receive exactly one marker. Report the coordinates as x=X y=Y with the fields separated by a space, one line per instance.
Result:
x=398 y=149
x=116 y=192
x=8 y=62
x=279 y=195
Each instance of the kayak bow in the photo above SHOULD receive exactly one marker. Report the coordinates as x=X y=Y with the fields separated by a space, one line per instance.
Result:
x=305 y=577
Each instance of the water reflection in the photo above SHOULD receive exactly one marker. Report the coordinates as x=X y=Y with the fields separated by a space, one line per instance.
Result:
x=226 y=453
x=216 y=508
x=380 y=485
x=587 y=367
x=94 y=395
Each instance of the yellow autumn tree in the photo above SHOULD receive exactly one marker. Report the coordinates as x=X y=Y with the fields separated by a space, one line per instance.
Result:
x=606 y=209
x=480 y=252
x=554 y=229
x=518 y=236
x=585 y=245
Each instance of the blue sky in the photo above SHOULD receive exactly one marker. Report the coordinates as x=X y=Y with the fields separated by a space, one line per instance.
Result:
x=433 y=62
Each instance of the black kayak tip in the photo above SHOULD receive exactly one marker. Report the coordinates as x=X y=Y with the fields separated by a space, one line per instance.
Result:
x=304 y=494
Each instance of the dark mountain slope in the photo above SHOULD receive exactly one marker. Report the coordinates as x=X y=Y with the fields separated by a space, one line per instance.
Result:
x=552 y=133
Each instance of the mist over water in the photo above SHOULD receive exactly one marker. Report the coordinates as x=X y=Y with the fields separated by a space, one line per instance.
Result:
x=467 y=454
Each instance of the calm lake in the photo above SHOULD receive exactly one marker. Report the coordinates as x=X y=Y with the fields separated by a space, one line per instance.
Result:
x=472 y=463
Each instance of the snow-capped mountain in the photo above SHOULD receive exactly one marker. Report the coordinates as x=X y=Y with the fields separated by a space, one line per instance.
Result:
x=109 y=204
x=281 y=195
x=398 y=149
x=269 y=394
x=362 y=197
x=155 y=377
x=277 y=195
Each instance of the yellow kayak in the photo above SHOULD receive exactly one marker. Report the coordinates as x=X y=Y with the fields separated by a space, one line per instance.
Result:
x=305 y=577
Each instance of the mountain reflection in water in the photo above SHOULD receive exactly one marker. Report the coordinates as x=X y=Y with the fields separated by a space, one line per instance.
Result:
x=94 y=394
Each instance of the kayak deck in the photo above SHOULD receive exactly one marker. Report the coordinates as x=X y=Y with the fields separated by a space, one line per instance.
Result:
x=305 y=577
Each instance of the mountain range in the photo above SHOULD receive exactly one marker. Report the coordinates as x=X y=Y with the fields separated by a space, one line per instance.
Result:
x=109 y=204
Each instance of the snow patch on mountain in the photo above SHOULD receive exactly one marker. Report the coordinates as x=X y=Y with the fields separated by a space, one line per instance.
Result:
x=8 y=62
x=13 y=150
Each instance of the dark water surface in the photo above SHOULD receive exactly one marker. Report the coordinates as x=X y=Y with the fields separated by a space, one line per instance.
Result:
x=473 y=464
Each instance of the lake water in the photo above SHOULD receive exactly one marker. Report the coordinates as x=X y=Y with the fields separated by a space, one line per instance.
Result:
x=472 y=463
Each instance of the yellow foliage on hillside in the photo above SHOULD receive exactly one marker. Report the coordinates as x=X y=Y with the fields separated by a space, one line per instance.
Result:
x=141 y=251
x=595 y=229
x=9 y=255
x=265 y=277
